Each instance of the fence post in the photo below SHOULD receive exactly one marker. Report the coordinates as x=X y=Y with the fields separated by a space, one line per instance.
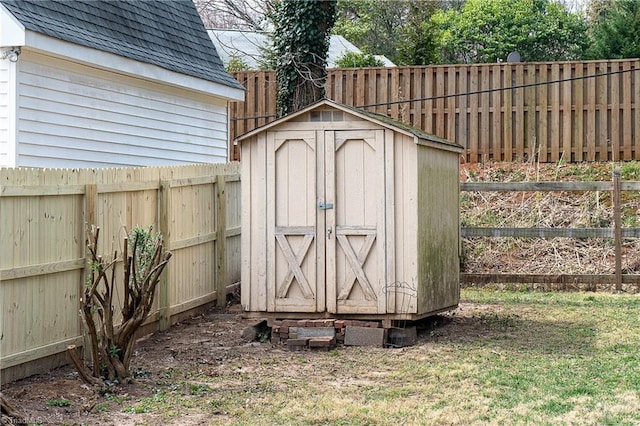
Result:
x=221 y=241
x=617 y=223
x=164 y=305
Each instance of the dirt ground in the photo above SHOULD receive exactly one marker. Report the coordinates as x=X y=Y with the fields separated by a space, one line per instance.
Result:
x=202 y=342
x=205 y=345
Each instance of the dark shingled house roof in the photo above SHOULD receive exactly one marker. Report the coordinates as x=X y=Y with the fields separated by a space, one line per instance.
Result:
x=169 y=34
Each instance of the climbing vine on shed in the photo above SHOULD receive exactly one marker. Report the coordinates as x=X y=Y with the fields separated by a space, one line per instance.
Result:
x=301 y=43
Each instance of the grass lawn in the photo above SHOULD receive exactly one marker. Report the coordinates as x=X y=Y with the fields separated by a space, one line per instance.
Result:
x=506 y=358
x=501 y=358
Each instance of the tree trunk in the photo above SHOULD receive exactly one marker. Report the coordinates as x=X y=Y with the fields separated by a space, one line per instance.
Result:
x=8 y=410
x=83 y=371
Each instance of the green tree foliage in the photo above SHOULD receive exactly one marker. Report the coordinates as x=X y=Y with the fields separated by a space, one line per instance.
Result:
x=401 y=30
x=370 y=24
x=358 y=60
x=301 y=43
x=420 y=37
x=615 y=28
x=236 y=63
x=488 y=30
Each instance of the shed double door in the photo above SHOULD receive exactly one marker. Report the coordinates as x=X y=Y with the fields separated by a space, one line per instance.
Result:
x=326 y=221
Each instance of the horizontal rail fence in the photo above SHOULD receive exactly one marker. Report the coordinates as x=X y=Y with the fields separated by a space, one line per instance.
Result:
x=43 y=225
x=498 y=112
x=617 y=233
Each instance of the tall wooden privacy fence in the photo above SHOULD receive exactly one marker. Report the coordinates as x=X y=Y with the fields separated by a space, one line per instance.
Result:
x=617 y=233
x=574 y=111
x=43 y=218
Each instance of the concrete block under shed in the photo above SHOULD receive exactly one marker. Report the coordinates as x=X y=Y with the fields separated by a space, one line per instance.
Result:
x=401 y=337
x=297 y=344
x=323 y=343
x=313 y=331
x=364 y=336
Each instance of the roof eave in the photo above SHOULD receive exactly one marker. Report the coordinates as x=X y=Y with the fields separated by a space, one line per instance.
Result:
x=120 y=64
x=439 y=144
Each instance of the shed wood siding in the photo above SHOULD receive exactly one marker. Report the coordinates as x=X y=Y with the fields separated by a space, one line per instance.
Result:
x=406 y=223
x=73 y=115
x=438 y=229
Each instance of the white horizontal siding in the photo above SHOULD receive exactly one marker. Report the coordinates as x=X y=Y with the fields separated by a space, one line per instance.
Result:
x=4 y=115
x=72 y=115
x=8 y=111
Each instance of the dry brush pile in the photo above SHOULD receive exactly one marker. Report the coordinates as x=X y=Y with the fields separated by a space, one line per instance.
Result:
x=589 y=209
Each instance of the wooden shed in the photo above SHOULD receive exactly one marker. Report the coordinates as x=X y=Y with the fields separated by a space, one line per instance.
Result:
x=348 y=214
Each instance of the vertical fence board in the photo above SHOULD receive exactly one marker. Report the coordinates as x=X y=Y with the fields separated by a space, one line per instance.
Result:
x=405 y=107
x=349 y=86
x=165 y=228
x=394 y=93
x=519 y=120
x=429 y=92
x=474 y=129
x=221 y=237
x=462 y=133
x=531 y=113
x=543 y=129
x=566 y=141
x=614 y=90
x=371 y=87
x=440 y=102
x=382 y=93
x=253 y=101
x=591 y=121
x=627 y=142
x=507 y=102
x=635 y=103
x=554 y=131
x=578 y=101
x=451 y=104
x=359 y=87
x=485 y=114
x=602 y=113
x=417 y=93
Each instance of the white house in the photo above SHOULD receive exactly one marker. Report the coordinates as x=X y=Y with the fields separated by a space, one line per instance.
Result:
x=93 y=83
x=250 y=45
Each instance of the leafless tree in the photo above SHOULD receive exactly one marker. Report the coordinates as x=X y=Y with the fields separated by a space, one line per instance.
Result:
x=112 y=345
x=250 y=15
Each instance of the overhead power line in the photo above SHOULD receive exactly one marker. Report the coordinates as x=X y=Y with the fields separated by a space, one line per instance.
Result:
x=476 y=92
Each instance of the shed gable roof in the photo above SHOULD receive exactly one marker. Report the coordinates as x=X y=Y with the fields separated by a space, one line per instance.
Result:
x=169 y=34
x=381 y=120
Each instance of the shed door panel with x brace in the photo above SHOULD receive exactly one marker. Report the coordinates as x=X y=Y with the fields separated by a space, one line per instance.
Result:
x=355 y=226
x=295 y=256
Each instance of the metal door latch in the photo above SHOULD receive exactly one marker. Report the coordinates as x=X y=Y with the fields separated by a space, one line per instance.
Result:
x=325 y=206
x=329 y=231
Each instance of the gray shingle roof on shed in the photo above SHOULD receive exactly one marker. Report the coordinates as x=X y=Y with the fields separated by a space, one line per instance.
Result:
x=169 y=34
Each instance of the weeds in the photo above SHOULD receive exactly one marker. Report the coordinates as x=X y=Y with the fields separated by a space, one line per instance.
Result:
x=590 y=209
x=59 y=402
